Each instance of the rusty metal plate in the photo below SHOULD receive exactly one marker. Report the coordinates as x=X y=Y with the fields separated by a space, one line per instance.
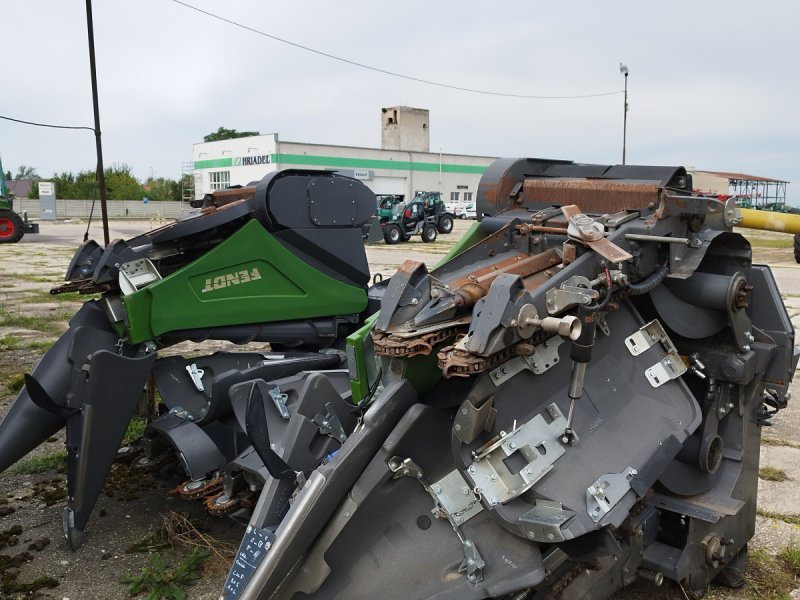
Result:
x=596 y=195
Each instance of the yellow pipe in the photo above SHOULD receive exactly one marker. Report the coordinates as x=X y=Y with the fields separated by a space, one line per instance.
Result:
x=769 y=221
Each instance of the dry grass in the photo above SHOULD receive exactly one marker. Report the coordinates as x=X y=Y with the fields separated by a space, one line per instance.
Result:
x=772 y=474
x=179 y=529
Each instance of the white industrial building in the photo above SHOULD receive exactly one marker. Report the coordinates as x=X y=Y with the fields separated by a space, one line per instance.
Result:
x=403 y=164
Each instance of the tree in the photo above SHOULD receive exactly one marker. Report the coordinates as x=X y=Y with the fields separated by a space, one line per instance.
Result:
x=26 y=172
x=160 y=188
x=121 y=184
x=227 y=134
x=8 y=176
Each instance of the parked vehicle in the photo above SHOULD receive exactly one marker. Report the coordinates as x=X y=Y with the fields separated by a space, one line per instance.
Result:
x=407 y=220
x=467 y=212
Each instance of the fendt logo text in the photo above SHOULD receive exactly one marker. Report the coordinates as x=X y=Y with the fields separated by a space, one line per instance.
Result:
x=223 y=281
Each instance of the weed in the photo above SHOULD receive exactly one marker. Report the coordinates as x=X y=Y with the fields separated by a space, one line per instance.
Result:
x=41 y=464
x=791 y=519
x=772 y=474
x=15 y=383
x=9 y=342
x=791 y=556
x=135 y=430
x=767 y=577
x=179 y=530
x=160 y=582
x=769 y=440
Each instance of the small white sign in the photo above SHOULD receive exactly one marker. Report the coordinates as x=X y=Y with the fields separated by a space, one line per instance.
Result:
x=362 y=174
x=45 y=188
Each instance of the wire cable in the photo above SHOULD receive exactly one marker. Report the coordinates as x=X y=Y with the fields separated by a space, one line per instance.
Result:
x=45 y=124
x=385 y=71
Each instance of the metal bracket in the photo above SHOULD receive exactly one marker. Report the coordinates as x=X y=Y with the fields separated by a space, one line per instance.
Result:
x=543 y=522
x=329 y=424
x=458 y=501
x=470 y=421
x=538 y=443
x=670 y=366
x=544 y=358
x=196 y=375
x=279 y=399
x=137 y=274
x=404 y=467
x=473 y=563
x=574 y=291
x=602 y=324
x=607 y=491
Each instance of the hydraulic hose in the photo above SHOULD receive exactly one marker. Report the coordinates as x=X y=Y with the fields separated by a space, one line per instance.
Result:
x=650 y=283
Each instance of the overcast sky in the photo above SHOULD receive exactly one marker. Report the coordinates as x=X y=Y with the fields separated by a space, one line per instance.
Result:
x=713 y=84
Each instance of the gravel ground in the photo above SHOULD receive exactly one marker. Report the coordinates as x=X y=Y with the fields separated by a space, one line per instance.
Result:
x=129 y=513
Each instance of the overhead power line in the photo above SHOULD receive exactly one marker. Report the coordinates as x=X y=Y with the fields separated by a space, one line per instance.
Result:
x=385 y=71
x=45 y=124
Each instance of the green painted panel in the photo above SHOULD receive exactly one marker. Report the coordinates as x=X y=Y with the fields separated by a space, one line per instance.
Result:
x=369 y=163
x=248 y=278
x=213 y=162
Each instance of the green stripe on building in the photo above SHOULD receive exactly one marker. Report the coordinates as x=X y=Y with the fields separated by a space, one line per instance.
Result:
x=353 y=163
x=370 y=163
x=212 y=163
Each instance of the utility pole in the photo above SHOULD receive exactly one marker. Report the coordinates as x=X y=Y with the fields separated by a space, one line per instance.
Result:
x=624 y=70
x=101 y=178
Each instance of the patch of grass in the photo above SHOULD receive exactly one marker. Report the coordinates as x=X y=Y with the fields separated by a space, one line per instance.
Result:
x=778 y=242
x=9 y=342
x=772 y=474
x=791 y=519
x=49 y=324
x=161 y=582
x=768 y=578
x=776 y=441
x=41 y=464
x=43 y=345
x=135 y=430
x=15 y=383
x=791 y=556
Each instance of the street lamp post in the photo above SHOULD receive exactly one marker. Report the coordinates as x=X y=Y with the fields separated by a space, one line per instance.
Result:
x=624 y=70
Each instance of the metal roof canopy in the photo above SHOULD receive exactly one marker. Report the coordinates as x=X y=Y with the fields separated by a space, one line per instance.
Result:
x=762 y=191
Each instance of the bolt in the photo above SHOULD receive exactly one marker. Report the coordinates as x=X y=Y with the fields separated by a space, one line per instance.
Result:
x=414 y=301
x=437 y=489
x=513 y=322
x=492 y=477
x=463 y=411
x=472 y=469
x=531 y=535
x=457 y=427
x=529 y=471
x=550 y=536
x=512 y=446
x=465 y=490
x=746 y=348
x=493 y=501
